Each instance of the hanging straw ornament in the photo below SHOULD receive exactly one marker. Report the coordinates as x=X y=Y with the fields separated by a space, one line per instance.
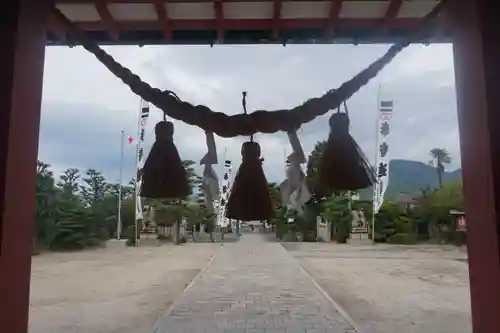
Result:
x=163 y=175
x=343 y=166
x=294 y=190
x=249 y=199
x=210 y=181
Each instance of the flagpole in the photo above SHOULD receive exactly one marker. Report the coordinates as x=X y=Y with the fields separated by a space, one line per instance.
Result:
x=375 y=186
x=120 y=182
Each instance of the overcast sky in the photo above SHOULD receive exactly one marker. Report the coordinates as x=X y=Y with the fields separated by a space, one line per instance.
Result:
x=85 y=107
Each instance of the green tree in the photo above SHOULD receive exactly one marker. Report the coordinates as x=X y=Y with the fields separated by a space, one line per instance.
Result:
x=114 y=190
x=336 y=210
x=102 y=206
x=74 y=227
x=433 y=210
x=192 y=177
x=440 y=157
x=312 y=173
x=82 y=211
x=389 y=220
x=171 y=212
x=68 y=183
x=45 y=206
x=94 y=188
x=275 y=194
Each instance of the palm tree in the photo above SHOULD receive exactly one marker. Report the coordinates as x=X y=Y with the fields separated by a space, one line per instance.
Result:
x=440 y=157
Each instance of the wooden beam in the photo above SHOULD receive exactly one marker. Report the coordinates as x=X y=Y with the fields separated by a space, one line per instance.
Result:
x=276 y=18
x=390 y=15
x=55 y=27
x=333 y=18
x=219 y=20
x=107 y=19
x=442 y=25
x=252 y=24
x=162 y=13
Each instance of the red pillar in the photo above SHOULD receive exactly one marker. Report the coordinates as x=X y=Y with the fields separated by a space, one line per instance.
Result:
x=22 y=44
x=477 y=68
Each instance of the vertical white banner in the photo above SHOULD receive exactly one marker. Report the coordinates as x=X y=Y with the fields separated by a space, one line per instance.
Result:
x=382 y=160
x=141 y=128
x=225 y=191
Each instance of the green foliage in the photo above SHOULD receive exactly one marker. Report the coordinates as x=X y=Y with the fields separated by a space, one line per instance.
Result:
x=402 y=224
x=432 y=214
x=385 y=220
x=66 y=219
x=363 y=205
x=170 y=213
x=402 y=238
x=75 y=212
x=45 y=207
x=94 y=188
x=279 y=221
x=430 y=219
x=336 y=210
x=274 y=193
x=130 y=233
x=313 y=159
x=191 y=175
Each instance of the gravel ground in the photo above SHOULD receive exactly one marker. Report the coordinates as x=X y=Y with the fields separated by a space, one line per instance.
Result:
x=393 y=289
x=110 y=290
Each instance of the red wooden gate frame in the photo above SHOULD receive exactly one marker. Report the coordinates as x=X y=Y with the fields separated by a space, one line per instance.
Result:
x=477 y=65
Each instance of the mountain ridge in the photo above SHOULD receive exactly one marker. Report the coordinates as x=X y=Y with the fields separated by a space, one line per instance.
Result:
x=411 y=177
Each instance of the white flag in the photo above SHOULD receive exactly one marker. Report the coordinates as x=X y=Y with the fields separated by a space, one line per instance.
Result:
x=382 y=161
x=225 y=190
x=143 y=119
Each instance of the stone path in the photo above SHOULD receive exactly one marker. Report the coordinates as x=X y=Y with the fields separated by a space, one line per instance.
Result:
x=253 y=286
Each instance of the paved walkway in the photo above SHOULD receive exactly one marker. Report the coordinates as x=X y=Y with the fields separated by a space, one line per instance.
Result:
x=253 y=286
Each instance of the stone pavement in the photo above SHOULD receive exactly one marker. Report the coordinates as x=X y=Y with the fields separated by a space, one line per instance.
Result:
x=253 y=286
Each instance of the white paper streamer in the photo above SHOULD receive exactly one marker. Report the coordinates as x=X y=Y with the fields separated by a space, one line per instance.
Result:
x=294 y=190
x=210 y=180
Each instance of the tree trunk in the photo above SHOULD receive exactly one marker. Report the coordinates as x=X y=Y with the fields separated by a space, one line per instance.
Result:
x=177 y=226
x=431 y=229
x=440 y=169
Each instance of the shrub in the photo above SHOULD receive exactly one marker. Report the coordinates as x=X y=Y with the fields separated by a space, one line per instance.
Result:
x=129 y=233
x=309 y=236
x=379 y=238
x=402 y=239
x=342 y=236
x=402 y=225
